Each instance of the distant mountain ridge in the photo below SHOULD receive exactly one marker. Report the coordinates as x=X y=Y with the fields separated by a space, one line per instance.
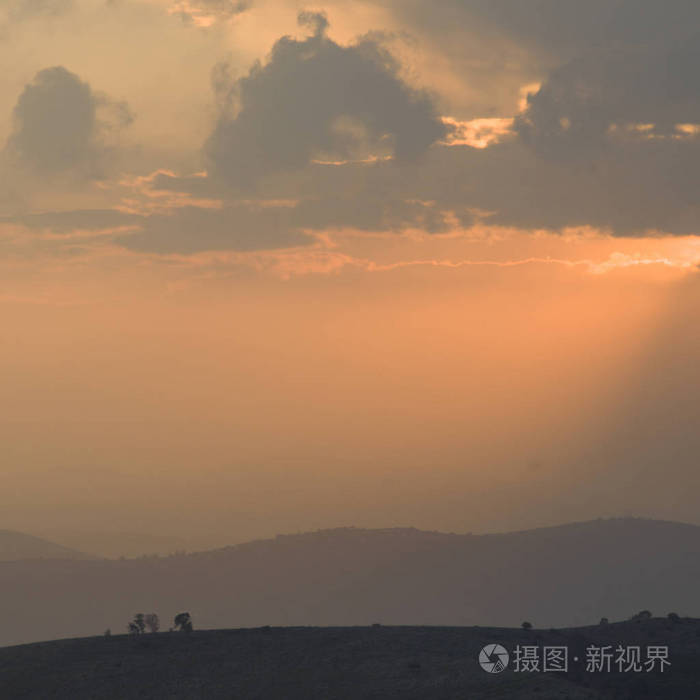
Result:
x=18 y=545
x=554 y=577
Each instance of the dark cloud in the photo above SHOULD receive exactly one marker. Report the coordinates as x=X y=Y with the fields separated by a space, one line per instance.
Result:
x=362 y=196
x=375 y=213
x=61 y=222
x=184 y=230
x=602 y=142
x=612 y=139
x=189 y=230
x=591 y=103
x=315 y=98
x=634 y=188
x=584 y=151
x=495 y=47
x=60 y=124
x=598 y=145
x=563 y=28
x=247 y=227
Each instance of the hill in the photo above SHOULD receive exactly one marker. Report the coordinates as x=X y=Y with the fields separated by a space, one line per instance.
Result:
x=382 y=663
x=555 y=577
x=17 y=545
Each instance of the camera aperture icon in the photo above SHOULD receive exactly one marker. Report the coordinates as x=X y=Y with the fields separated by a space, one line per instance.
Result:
x=493 y=658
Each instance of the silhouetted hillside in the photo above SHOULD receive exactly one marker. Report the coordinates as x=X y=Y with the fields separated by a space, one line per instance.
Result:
x=360 y=663
x=17 y=545
x=561 y=576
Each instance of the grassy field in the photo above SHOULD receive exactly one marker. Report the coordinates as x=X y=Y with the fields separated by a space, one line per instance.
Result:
x=290 y=663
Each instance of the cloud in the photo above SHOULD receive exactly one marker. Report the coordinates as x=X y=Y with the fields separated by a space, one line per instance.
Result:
x=478 y=53
x=315 y=98
x=365 y=196
x=189 y=230
x=61 y=222
x=250 y=226
x=558 y=28
x=609 y=139
x=324 y=136
x=204 y=13
x=184 y=230
x=62 y=125
x=14 y=11
x=589 y=103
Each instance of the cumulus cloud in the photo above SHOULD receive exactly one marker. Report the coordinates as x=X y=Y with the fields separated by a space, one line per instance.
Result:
x=591 y=102
x=314 y=98
x=612 y=138
x=505 y=184
x=60 y=124
x=323 y=136
x=609 y=140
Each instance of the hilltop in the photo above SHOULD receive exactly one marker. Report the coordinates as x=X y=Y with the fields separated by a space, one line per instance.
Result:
x=381 y=663
x=18 y=545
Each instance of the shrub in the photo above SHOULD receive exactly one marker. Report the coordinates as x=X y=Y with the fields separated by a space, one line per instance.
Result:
x=526 y=626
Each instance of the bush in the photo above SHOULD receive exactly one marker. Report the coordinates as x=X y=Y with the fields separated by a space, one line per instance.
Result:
x=526 y=626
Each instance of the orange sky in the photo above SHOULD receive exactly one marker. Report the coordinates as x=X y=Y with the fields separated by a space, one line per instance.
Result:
x=232 y=307
x=226 y=406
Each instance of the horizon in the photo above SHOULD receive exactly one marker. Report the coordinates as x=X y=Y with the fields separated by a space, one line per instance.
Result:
x=143 y=551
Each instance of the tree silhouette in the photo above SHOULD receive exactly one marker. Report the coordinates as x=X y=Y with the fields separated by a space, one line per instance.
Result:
x=137 y=625
x=152 y=621
x=526 y=626
x=183 y=622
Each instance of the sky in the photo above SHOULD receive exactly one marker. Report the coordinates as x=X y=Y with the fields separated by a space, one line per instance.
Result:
x=268 y=266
